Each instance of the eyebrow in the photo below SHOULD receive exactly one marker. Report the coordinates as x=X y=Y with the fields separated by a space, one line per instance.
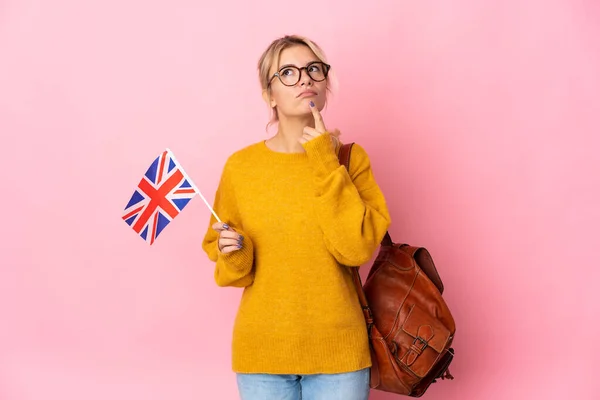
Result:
x=292 y=65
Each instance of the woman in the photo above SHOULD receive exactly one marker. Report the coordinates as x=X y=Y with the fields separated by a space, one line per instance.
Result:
x=295 y=222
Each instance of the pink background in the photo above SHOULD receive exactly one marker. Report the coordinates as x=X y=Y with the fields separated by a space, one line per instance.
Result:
x=481 y=119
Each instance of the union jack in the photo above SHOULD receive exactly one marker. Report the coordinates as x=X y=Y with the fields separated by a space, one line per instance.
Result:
x=163 y=192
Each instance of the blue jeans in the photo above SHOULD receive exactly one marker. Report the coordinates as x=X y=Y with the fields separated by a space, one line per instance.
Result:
x=346 y=386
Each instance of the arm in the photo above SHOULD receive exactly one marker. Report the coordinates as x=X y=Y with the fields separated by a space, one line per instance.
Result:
x=234 y=268
x=351 y=208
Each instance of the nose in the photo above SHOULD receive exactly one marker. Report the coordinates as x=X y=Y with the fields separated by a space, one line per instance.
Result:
x=305 y=80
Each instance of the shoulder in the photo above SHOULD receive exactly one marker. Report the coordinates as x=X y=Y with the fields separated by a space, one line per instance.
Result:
x=358 y=151
x=359 y=159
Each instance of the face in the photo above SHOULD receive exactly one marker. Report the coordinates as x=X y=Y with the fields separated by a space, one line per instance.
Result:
x=293 y=99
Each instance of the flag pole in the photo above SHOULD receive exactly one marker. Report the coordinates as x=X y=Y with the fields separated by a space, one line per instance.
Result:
x=186 y=176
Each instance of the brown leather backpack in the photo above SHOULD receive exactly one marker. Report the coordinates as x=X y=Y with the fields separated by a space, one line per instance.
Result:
x=410 y=326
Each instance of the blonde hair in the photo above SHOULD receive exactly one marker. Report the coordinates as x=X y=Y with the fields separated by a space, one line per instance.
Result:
x=271 y=56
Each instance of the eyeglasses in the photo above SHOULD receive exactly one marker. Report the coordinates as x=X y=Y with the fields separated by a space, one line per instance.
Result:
x=290 y=75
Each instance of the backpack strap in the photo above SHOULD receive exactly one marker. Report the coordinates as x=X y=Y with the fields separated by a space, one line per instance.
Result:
x=344 y=157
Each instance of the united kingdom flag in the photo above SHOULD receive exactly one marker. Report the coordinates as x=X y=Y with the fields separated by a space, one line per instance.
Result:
x=160 y=196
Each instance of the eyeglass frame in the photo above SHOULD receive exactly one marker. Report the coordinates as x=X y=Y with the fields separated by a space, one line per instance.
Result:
x=276 y=74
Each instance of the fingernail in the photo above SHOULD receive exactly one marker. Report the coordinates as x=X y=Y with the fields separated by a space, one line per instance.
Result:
x=239 y=246
x=241 y=238
x=311 y=103
x=225 y=226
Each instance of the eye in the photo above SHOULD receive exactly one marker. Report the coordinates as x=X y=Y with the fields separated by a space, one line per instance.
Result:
x=287 y=72
x=315 y=68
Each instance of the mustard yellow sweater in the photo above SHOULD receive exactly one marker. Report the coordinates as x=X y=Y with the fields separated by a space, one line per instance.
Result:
x=304 y=219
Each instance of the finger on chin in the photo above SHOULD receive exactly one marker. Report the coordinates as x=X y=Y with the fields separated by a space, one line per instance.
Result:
x=319 y=125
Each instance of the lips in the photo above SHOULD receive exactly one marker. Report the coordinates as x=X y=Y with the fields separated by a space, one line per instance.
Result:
x=307 y=93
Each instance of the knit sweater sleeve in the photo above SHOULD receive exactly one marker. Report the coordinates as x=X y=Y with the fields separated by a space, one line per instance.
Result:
x=235 y=268
x=350 y=206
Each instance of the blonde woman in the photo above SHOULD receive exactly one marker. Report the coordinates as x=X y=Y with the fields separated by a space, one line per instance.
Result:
x=295 y=222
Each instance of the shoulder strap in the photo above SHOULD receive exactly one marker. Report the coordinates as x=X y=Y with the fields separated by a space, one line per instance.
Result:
x=344 y=154
x=344 y=157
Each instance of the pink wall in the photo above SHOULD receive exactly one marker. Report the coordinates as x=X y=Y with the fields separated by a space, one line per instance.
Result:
x=481 y=119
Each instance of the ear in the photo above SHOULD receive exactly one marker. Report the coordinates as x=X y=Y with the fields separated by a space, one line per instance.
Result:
x=268 y=99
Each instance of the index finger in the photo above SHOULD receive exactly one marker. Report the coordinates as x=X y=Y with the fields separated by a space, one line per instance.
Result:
x=319 y=124
x=220 y=226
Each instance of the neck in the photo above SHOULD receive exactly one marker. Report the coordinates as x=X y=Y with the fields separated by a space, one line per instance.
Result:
x=290 y=129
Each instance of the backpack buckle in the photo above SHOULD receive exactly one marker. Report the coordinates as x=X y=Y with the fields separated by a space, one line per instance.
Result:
x=419 y=348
